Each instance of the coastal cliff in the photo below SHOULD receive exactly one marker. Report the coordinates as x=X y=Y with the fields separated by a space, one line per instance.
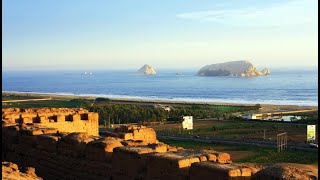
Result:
x=147 y=70
x=233 y=68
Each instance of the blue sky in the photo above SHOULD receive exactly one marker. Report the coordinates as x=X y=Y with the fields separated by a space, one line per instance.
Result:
x=99 y=34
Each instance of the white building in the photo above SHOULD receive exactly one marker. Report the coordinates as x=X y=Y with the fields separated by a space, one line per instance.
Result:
x=249 y=116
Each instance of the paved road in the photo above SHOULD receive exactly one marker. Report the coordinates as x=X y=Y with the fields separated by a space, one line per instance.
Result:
x=252 y=142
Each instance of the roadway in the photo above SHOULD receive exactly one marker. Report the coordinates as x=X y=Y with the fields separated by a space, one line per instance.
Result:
x=251 y=142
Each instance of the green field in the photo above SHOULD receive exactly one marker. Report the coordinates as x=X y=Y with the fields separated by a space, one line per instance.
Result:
x=127 y=112
x=259 y=154
x=15 y=97
x=118 y=112
x=238 y=129
x=55 y=103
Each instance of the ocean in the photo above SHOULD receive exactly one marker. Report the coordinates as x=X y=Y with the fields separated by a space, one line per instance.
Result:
x=283 y=87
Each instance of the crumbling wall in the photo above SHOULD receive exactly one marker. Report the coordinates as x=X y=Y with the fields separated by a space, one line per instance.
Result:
x=135 y=133
x=11 y=171
x=129 y=152
x=62 y=119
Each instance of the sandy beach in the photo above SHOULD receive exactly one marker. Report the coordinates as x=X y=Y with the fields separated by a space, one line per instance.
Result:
x=264 y=107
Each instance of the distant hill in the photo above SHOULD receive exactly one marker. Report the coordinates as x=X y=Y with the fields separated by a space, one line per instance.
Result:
x=233 y=68
x=147 y=70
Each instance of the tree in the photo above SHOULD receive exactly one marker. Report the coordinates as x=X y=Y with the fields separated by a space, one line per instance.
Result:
x=257 y=106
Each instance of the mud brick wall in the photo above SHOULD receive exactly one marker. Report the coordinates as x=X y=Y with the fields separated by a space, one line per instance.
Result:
x=63 y=119
x=81 y=156
x=135 y=133
x=57 y=154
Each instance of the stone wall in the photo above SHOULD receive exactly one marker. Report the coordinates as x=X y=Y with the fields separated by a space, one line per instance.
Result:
x=11 y=171
x=61 y=119
x=127 y=153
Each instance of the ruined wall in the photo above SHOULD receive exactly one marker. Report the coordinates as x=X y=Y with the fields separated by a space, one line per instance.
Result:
x=61 y=119
x=11 y=171
x=129 y=152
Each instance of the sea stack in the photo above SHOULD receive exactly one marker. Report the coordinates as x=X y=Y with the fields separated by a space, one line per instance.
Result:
x=240 y=68
x=147 y=70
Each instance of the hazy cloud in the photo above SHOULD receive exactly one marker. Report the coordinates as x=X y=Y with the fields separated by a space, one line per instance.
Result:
x=287 y=13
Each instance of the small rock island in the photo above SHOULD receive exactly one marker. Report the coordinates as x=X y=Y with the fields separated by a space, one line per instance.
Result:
x=240 y=68
x=147 y=70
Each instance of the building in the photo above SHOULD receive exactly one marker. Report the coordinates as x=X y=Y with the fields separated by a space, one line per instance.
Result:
x=251 y=116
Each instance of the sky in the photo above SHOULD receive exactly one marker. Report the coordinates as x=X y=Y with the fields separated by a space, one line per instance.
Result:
x=125 y=34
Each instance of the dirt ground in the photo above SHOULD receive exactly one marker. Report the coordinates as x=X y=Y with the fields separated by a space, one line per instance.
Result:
x=236 y=129
x=236 y=155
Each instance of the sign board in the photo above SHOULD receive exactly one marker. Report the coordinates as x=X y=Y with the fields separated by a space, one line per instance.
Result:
x=311 y=133
x=187 y=122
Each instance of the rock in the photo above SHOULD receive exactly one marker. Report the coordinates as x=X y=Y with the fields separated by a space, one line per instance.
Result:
x=265 y=71
x=281 y=171
x=160 y=148
x=207 y=170
x=77 y=138
x=232 y=68
x=11 y=171
x=147 y=70
x=11 y=165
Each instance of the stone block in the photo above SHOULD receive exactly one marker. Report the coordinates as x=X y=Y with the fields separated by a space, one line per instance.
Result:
x=207 y=170
x=76 y=117
x=26 y=120
x=61 y=118
x=93 y=116
x=126 y=136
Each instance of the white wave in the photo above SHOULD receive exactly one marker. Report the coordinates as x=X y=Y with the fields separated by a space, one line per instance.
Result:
x=202 y=100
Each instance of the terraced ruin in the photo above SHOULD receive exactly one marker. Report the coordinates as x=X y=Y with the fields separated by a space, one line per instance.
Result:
x=64 y=143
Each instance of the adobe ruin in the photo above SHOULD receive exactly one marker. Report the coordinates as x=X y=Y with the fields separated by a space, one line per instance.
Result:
x=64 y=143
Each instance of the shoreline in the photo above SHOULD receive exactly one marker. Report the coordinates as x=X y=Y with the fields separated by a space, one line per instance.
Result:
x=155 y=101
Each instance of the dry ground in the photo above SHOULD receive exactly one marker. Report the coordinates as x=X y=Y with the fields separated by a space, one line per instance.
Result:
x=238 y=129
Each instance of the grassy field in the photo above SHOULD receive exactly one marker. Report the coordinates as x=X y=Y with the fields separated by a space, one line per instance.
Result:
x=63 y=103
x=238 y=129
x=15 y=97
x=215 y=128
x=252 y=154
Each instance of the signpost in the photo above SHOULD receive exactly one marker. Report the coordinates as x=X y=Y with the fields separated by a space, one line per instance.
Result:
x=187 y=122
x=311 y=133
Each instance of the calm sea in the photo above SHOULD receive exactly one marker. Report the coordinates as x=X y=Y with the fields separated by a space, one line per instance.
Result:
x=294 y=87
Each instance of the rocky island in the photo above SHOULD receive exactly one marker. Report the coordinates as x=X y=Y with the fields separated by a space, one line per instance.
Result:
x=233 y=68
x=147 y=70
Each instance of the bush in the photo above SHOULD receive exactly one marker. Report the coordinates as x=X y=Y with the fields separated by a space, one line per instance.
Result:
x=257 y=106
x=103 y=99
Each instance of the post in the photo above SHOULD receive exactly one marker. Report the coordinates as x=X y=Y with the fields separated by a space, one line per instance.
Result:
x=109 y=121
x=286 y=141
x=264 y=134
x=278 y=143
x=281 y=139
x=281 y=143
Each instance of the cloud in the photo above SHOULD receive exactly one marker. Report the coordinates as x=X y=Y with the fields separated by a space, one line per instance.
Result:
x=287 y=13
